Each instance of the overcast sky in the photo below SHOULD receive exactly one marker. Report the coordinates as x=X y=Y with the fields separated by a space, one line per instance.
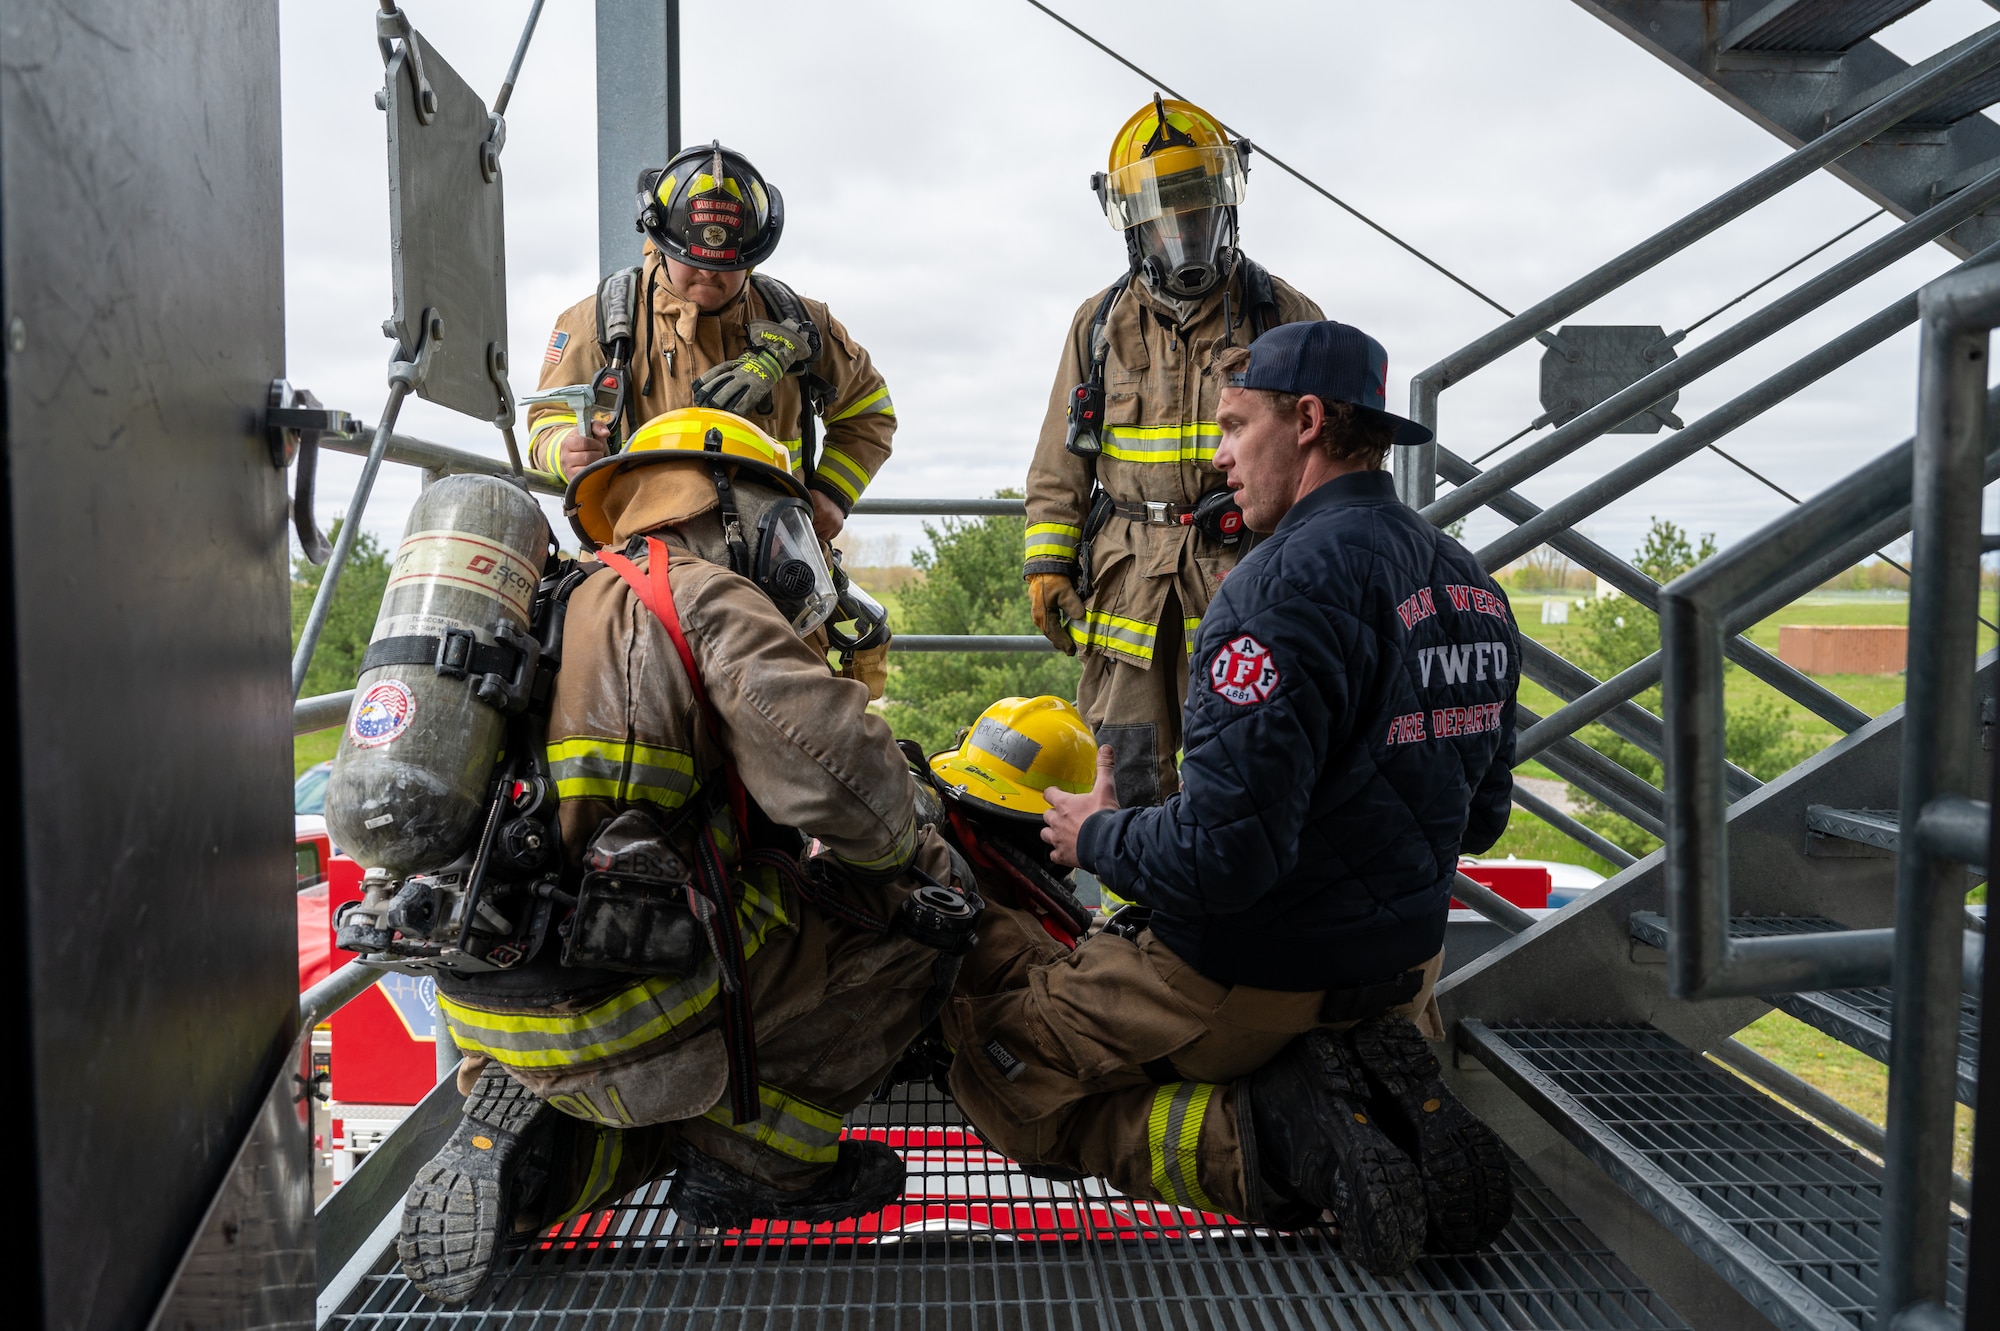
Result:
x=935 y=161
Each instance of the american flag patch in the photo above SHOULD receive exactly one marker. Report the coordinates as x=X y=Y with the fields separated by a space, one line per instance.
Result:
x=557 y=341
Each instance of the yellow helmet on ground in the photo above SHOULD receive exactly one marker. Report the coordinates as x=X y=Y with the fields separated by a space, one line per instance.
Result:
x=1018 y=748
x=683 y=435
x=1171 y=157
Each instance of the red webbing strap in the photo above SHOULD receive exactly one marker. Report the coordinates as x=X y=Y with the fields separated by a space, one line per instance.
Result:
x=709 y=898
x=657 y=595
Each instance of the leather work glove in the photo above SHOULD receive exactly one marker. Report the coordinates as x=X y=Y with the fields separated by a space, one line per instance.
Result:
x=1052 y=599
x=745 y=383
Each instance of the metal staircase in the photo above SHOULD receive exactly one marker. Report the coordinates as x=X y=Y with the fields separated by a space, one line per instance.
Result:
x=1656 y=1188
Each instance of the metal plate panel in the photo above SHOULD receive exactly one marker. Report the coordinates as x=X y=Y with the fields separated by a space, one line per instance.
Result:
x=1587 y=363
x=447 y=233
x=141 y=266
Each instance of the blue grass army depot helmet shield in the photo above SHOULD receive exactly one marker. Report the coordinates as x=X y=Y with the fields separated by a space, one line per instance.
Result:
x=1333 y=362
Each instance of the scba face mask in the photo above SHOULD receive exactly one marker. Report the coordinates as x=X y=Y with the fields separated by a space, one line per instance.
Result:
x=1184 y=255
x=790 y=567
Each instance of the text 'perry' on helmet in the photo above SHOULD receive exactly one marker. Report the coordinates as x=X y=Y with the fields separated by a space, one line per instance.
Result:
x=687 y=434
x=1017 y=749
x=710 y=208
x=1170 y=157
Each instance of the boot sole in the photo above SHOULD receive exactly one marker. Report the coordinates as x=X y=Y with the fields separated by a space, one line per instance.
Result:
x=1379 y=1193
x=455 y=1218
x=1468 y=1187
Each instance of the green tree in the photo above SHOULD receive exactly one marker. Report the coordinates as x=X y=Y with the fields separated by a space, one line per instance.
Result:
x=971 y=583
x=1619 y=633
x=349 y=621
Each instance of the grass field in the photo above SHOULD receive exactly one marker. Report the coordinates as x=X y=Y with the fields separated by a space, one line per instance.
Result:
x=1849 y=1076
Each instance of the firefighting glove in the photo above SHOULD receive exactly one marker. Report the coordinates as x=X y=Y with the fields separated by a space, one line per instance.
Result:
x=1053 y=601
x=744 y=384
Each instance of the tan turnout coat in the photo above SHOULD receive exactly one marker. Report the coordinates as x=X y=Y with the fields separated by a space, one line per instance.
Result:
x=679 y=343
x=1160 y=393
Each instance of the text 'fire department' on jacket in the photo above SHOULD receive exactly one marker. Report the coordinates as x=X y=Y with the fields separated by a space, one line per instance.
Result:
x=1350 y=731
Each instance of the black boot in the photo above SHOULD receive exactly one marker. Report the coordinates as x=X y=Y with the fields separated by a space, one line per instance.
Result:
x=1317 y=1143
x=866 y=1177
x=1468 y=1188
x=462 y=1204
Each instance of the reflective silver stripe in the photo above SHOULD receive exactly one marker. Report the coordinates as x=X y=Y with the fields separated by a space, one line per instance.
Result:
x=785 y=1123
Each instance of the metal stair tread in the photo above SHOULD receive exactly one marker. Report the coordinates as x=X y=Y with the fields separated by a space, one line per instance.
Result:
x=1814 y=25
x=1780 y=1209
x=1880 y=828
x=1858 y=1018
x=1075 y=1259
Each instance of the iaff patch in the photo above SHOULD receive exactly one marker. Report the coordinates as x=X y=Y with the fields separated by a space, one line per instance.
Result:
x=1243 y=671
x=557 y=341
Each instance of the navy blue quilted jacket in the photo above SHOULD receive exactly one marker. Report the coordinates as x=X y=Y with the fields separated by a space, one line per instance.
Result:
x=1350 y=730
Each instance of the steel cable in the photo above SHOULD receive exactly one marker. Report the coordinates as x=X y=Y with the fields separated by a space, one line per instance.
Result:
x=1287 y=168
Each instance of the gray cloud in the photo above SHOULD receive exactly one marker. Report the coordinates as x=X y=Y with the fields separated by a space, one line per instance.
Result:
x=935 y=161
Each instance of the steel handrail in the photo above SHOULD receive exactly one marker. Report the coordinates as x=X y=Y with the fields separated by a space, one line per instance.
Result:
x=1416 y=468
x=1718 y=350
x=1738 y=411
x=1940 y=758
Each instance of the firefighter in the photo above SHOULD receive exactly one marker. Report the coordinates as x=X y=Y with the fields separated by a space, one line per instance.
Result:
x=708 y=331
x=695 y=742
x=1249 y=1037
x=1130 y=527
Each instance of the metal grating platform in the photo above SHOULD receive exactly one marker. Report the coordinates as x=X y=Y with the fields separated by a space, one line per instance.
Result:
x=1858 y=1018
x=976 y=1243
x=1785 y=1213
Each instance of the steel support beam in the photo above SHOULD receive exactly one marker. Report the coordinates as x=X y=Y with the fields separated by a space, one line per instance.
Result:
x=638 y=114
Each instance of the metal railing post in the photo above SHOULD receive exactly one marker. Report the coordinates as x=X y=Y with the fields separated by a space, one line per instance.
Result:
x=1958 y=312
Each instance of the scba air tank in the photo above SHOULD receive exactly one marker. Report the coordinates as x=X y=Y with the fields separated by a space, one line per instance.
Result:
x=414 y=771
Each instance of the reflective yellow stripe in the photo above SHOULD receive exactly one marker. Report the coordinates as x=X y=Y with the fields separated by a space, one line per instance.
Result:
x=1173 y=1131
x=625 y=771
x=1053 y=540
x=794 y=450
x=1132 y=637
x=544 y=439
x=1194 y=441
x=629 y=1018
x=1188 y=628
x=843 y=473
x=876 y=403
x=899 y=855
x=795 y=1127
x=605 y=1158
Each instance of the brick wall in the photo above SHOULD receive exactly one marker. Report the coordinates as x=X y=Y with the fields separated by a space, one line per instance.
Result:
x=1844 y=649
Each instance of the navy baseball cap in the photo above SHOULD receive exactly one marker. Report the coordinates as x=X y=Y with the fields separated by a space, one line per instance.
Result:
x=1333 y=362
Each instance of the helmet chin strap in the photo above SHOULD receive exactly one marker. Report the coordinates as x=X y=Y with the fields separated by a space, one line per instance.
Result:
x=725 y=495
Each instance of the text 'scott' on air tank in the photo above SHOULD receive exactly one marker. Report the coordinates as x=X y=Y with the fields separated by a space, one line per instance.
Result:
x=414 y=771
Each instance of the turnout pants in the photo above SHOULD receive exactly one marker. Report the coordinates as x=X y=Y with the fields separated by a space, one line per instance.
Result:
x=835 y=1006
x=1136 y=707
x=1120 y=1060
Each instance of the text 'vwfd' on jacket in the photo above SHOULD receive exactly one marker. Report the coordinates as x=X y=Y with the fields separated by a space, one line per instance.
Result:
x=1350 y=732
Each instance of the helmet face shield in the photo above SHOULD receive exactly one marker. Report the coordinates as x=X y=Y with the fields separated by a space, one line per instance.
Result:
x=790 y=567
x=1183 y=252
x=1171 y=181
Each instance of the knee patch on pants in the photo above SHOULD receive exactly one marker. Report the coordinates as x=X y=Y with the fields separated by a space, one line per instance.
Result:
x=1135 y=762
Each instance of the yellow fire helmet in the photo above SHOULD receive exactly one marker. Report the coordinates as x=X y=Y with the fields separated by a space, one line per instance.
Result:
x=1018 y=748
x=682 y=435
x=1171 y=157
